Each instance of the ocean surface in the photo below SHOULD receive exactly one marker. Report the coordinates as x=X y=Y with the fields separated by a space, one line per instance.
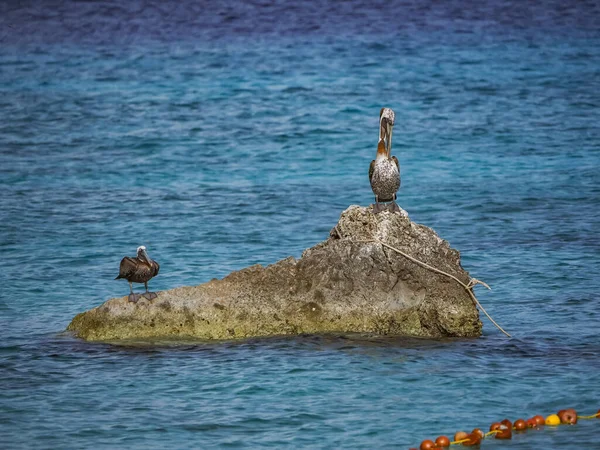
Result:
x=225 y=134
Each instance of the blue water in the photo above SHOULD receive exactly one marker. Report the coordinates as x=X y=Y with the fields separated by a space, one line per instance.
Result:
x=224 y=135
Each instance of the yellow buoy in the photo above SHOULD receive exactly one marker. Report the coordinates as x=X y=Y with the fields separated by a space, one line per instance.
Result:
x=553 y=420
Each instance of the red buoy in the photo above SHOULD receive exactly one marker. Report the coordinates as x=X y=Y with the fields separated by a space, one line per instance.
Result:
x=504 y=431
x=539 y=420
x=479 y=432
x=427 y=444
x=520 y=425
x=568 y=416
x=442 y=441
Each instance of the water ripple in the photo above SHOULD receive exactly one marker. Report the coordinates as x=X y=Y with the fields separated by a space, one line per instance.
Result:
x=232 y=136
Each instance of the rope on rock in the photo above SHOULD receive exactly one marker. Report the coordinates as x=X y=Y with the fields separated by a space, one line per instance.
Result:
x=468 y=287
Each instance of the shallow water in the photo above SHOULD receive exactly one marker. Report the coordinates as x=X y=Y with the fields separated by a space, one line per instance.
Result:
x=232 y=136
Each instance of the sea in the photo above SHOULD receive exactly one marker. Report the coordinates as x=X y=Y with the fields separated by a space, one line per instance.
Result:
x=232 y=133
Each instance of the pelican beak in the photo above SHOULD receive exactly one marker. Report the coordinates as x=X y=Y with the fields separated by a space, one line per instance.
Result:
x=389 y=128
x=145 y=255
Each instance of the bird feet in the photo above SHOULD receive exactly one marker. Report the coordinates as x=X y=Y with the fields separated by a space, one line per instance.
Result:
x=377 y=208
x=150 y=295
x=393 y=207
x=133 y=298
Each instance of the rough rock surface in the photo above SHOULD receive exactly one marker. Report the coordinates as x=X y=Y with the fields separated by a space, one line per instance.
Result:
x=347 y=283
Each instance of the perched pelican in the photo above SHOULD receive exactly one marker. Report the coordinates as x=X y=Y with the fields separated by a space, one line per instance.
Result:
x=139 y=270
x=384 y=172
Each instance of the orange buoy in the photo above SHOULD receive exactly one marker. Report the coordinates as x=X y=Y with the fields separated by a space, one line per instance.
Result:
x=520 y=425
x=540 y=420
x=479 y=432
x=495 y=426
x=442 y=441
x=568 y=416
x=460 y=435
x=531 y=423
x=427 y=444
x=474 y=439
x=505 y=432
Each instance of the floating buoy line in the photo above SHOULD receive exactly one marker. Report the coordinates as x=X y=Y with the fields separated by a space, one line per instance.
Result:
x=504 y=429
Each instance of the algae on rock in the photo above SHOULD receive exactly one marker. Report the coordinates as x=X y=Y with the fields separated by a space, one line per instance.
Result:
x=347 y=283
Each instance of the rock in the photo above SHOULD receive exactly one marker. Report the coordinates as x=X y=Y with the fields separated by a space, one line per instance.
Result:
x=347 y=283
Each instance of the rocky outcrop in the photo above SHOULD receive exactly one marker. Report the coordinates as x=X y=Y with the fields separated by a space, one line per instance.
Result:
x=347 y=283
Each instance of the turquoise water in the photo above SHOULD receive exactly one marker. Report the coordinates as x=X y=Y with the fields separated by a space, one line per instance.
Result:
x=227 y=135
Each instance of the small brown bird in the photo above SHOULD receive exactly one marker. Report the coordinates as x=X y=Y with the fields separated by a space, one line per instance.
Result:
x=384 y=171
x=139 y=270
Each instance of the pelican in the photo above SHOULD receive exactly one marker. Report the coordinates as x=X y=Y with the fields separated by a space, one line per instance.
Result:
x=384 y=172
x=139 y=270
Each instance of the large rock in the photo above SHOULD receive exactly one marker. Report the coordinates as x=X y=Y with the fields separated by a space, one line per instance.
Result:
x=347 y=283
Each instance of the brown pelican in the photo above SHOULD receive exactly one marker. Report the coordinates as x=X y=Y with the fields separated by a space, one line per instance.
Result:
x=384 y=172
x=139 y=270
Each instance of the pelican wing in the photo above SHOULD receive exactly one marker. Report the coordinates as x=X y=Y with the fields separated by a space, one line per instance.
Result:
x=128 y=267
x=156 y=268
x=143 y=272
x=396 y=161
x=371 y=169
